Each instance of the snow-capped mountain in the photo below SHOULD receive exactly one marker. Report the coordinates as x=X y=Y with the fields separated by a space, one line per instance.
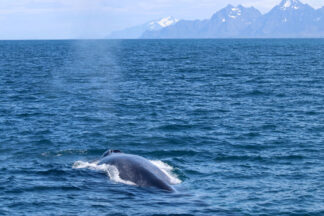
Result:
x=290 y=18
x=228 y=22
x=290 y=4
x=137 y=31
x=233 y=13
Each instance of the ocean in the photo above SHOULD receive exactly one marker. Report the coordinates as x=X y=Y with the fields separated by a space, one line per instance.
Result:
x=237 y=124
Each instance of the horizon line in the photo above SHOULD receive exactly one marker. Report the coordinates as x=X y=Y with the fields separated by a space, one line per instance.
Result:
x=143 y=39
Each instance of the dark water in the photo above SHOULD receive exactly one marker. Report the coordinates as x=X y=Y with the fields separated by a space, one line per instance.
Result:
x=240 y=121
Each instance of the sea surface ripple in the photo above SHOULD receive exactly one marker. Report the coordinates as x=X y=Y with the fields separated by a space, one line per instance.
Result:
x=241 y=122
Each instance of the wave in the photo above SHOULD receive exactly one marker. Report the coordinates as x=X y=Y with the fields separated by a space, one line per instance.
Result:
x=113 y=172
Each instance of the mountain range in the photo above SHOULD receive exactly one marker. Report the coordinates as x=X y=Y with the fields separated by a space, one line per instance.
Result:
x=291 y=18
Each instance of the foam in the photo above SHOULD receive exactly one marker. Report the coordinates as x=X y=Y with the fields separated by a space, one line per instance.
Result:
x=167 y=170
x=111 y=171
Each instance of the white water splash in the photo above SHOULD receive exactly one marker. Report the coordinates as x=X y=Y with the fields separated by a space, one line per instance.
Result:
x=113 y=172
x=167 y=170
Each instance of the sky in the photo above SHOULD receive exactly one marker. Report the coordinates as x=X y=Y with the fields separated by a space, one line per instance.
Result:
x=68 y=19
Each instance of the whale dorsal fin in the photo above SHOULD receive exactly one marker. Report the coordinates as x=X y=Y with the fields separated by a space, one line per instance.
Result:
x=108 y=152
x=116 y=151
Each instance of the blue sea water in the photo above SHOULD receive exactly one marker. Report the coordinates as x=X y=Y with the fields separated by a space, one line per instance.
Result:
x=241 y=122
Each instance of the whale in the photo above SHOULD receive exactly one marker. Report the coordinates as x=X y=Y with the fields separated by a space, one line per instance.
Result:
x=137 y=169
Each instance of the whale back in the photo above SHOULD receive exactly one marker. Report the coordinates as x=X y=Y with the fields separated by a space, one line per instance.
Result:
x=138 y=170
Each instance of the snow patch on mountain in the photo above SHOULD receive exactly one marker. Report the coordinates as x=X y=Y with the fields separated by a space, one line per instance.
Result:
x=286 y=4
x=162 y=23
x=235 y=12
x=168 y=21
